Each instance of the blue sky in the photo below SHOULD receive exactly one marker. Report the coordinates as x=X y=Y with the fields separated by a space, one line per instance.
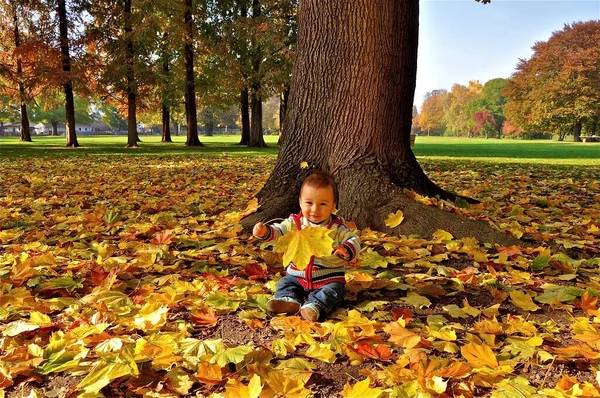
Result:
x=462 y=40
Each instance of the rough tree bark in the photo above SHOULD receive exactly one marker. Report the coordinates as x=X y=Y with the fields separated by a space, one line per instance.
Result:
x=25 y=133
x=350 y=112
x=70 y=131
x=190 y=81
x=284 y=97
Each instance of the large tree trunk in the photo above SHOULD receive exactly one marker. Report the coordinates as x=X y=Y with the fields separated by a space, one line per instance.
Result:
x=256 y=134
x=70 y=131
x=25 y=133
x=245 y=113
x=190 y=85
x=132 y=135
x=350 y=114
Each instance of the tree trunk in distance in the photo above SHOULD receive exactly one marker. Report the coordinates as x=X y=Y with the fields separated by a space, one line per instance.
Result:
x=166 y=114
x=70 y=131
x=166 y=128
x=350 y=112
x=25 y=133
x=132 y=135
x=245 y=112
x=577 y=131
x=190 y=85
x=256 y=134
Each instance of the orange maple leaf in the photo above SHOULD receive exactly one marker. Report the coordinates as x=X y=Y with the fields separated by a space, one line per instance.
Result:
x=204 y=317
x=588 y=304
x=163 y=237
x=382 y=352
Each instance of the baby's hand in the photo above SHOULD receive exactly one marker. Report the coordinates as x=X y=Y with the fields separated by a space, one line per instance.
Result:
x=341 y=252
x=260 y=230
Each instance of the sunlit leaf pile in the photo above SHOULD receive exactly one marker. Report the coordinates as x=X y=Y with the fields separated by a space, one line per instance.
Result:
x=130 y=276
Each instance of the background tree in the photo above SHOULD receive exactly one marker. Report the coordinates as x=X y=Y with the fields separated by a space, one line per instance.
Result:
x=458 y=117
x=433 y=110
x=16 y=64
x=558 y=89
x=494 y=101
x=350 y=114
x=485 y=123
x=70 y=132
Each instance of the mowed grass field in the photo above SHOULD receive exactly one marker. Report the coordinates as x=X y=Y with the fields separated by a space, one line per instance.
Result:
x=430 y=148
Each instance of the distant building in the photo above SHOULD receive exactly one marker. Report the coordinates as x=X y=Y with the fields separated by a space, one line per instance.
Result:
x=46 y=128
x=10 y=129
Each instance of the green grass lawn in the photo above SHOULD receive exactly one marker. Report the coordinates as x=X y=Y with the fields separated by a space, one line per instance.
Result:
x=116 y=145
x=430 y=148
x=507 y=151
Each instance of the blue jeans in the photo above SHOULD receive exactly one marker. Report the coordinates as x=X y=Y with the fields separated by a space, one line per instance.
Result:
x=327 y=297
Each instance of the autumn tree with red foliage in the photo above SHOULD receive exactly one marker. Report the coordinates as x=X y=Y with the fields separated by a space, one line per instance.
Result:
x=484 y=123
x=558 y=89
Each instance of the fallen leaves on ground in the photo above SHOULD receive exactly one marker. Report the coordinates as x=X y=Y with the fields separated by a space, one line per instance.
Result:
x=130 y=276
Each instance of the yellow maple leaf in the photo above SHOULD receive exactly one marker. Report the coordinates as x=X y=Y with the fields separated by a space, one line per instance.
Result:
x=479 y=355
x=298 y=246
x=402 y=336
x=361 y=390
x=321 y=352
x=523 y=301
x=235 y=388
x=394 y=219
x=286 y=386
x=441 y=236
x=304 y=165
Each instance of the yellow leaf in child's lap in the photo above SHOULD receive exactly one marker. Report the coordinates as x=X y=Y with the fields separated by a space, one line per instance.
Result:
x=298 y=246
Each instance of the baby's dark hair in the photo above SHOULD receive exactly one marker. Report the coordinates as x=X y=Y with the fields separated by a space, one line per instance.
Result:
x=321 y=179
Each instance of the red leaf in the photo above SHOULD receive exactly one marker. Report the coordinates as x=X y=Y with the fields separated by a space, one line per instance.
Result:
x=164 y=237
x=255 y=272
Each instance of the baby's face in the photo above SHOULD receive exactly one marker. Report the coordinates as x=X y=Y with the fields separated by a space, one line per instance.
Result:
x=317 y=204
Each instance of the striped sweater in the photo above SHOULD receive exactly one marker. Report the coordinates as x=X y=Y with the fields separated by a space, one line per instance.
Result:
x=321 y=270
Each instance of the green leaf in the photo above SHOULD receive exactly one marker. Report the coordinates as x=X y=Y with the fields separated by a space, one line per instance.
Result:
x=111 y=217
x=102 y=375
x=64 y=282
x=463 y=204
x=231 y=355
x=540 y=262
x=59 y=362
x=517 y=387
x=563 y=294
